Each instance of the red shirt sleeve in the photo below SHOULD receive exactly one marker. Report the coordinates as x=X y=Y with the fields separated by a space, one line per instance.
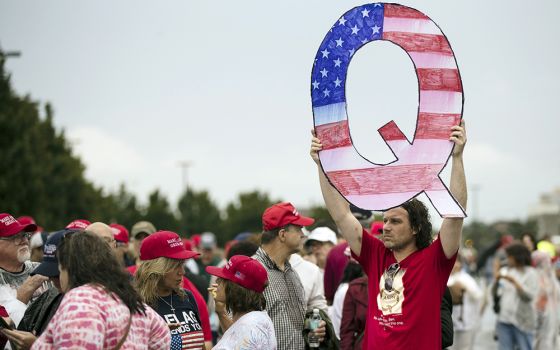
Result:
x=373 y=252
x=443 y=264
x=202 y=309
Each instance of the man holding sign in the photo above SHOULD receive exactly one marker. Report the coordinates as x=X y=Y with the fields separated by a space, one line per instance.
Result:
x=407 y=272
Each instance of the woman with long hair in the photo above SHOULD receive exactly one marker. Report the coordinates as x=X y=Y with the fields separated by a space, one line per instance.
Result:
x=100 y=309
x=518 y=285
x=159 y=281
x=238 y=292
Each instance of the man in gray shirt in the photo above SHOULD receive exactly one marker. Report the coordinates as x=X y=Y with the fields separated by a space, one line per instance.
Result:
x=17 y=288
x=285 y=300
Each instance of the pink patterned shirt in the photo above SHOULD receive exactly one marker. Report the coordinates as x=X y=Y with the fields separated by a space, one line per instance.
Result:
x=89 y=318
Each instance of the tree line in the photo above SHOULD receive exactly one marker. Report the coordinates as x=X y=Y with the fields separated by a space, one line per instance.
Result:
x=41 y=177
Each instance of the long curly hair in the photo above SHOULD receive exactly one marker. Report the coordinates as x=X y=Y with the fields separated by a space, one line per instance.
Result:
x=419 y=218
x=89 y=260
x=150 y=275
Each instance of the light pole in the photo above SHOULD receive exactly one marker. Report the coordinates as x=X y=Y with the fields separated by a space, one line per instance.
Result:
x=185 y=165
x=9 y=54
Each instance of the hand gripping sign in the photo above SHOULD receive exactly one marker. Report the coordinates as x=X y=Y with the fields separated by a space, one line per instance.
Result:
x=382 y=186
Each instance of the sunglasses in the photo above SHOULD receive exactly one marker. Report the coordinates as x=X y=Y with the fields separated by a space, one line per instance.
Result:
x=19 y=238
x=390 y=276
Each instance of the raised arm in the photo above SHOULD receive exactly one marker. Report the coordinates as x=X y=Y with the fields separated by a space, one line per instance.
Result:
x=337 y=206
x=451 y=228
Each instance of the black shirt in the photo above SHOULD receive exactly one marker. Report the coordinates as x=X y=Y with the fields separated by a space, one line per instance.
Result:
x=185 y=312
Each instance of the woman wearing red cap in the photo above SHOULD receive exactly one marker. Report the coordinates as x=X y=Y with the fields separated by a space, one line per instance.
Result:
x=159 y=281
x=239 y=292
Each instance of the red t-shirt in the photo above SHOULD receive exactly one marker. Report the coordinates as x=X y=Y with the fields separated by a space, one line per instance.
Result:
x=408 y=315
x=202 y=308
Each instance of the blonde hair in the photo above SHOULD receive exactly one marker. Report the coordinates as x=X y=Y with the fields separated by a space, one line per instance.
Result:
x=150 y=275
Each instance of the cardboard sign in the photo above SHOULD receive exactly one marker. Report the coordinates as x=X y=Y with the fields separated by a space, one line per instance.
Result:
x=374 y=186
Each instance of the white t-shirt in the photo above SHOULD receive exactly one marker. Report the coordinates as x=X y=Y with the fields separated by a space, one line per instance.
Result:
x=311 y=278
x=337 y=307
x=466 y=316
x=515 y=310
x=253 y=331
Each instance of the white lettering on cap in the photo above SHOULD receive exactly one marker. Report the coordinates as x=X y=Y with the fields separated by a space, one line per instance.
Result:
x=175 y=242
x=49 y=249
x=8 y=220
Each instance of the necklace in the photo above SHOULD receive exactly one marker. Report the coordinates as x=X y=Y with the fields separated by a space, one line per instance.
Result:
x=170 y=305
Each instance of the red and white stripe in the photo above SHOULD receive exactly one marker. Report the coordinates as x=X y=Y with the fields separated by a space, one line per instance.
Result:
x=193 y=341
x=376 y=186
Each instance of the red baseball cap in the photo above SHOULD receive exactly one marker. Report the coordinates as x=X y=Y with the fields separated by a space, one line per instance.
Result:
x=376 y=228
x=195 y=239
x=78 y=224
x=187 y=243
x=9 y=226
x=242 y=270
x=282 y=214
x=120 y=232
x=26 y=220
x=164 y=244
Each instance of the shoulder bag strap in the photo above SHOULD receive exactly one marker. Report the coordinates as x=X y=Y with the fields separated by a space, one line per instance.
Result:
x=123 y=339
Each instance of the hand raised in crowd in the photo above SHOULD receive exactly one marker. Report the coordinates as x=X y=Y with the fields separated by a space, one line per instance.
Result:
x=23 y=340
x=26 y=290
x=459 y=137
x=316 y=146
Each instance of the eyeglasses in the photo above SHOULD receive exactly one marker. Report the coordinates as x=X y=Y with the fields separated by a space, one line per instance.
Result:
x=19 y=238
x=390 y=276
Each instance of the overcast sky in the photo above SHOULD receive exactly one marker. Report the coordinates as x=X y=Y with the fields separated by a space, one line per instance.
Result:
x=139 y=86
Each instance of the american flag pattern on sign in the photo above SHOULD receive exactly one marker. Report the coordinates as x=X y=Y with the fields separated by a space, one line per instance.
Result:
x=187 y=341
x=382 y=186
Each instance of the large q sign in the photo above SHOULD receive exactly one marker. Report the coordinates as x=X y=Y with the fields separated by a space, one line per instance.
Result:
x=382 y=186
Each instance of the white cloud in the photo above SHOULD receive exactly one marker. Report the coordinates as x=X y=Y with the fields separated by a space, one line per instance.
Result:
x=484 y=155
x=109 y=161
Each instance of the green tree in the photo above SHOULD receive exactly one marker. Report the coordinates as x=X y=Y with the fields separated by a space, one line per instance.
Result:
x=124 y=207
x=245 y=213
x=159 y=213
x=40 y=176
x=321 y=216
x=198 y=213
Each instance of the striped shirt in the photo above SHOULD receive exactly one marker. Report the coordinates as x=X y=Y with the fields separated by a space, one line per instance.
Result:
x=285 y=303
x=90 y=318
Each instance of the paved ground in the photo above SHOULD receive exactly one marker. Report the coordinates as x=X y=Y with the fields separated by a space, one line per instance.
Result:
x=485 y=336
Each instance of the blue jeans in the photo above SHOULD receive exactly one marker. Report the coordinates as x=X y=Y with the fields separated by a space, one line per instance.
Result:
x=511 y=337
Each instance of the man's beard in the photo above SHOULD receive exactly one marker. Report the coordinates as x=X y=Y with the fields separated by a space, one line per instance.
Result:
x=396 y=246
x=23 y=254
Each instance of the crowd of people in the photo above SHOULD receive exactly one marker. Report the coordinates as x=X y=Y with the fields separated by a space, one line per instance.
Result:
x=375 y=284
